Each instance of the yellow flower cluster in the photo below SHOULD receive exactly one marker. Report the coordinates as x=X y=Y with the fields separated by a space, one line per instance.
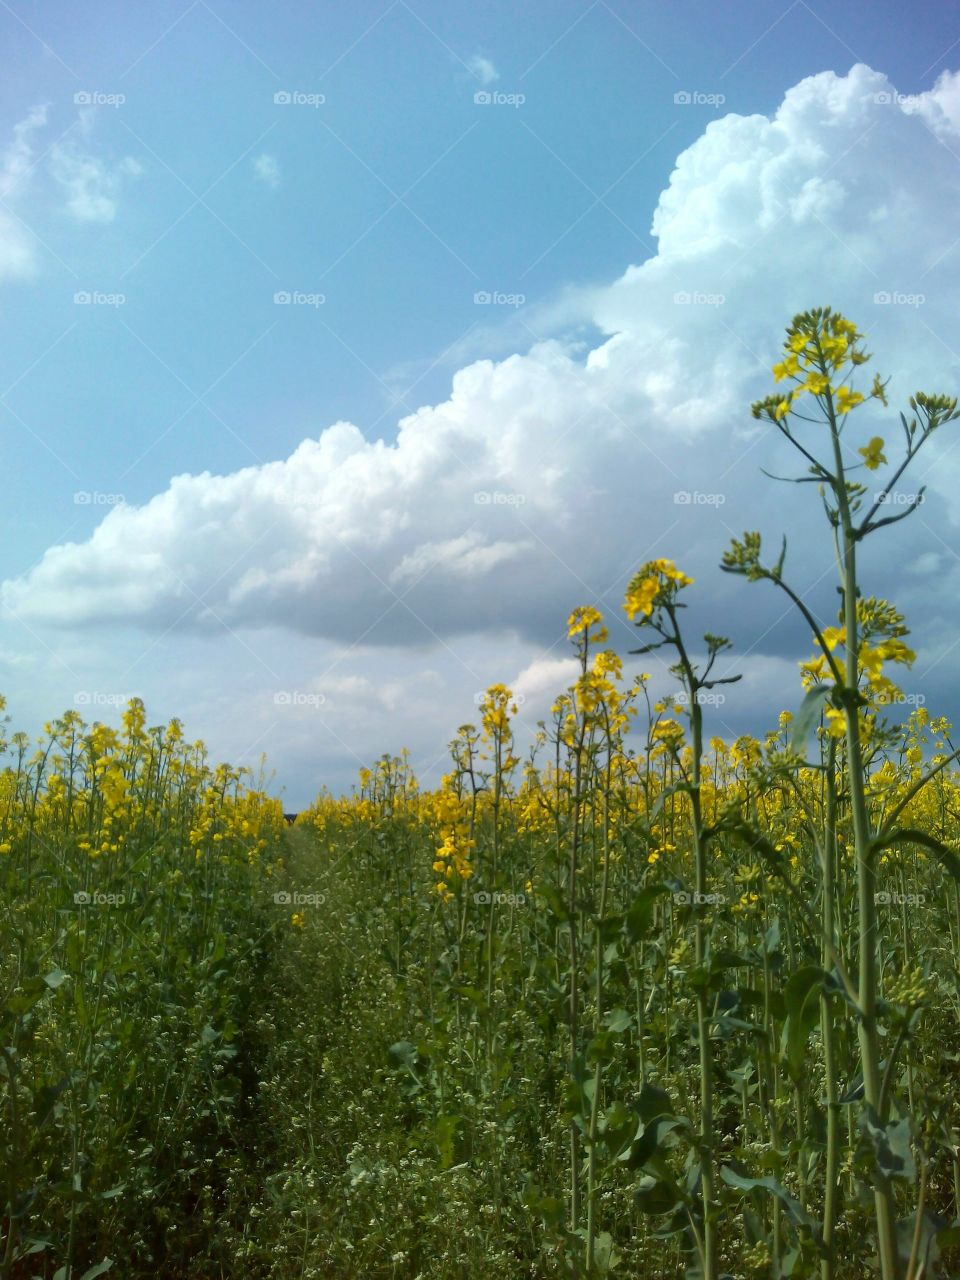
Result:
x=817 y=347
x=656 y=583
x=104 y=791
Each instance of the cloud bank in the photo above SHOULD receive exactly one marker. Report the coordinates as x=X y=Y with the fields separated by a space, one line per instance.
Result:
x=547 y=476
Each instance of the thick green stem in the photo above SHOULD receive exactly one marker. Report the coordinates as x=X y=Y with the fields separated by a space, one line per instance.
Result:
x=707 y=1177
x=866 y=878
x=598 y=1015
x=831 y=1173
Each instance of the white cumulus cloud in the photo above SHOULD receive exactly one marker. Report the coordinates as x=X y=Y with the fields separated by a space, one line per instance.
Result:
x=544 y=478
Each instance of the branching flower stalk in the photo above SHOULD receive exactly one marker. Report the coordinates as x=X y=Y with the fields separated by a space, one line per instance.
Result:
x=584 y=627
x=652 y=594
x=821 y=349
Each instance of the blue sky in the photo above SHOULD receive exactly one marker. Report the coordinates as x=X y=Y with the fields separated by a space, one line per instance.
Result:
x=147 y=160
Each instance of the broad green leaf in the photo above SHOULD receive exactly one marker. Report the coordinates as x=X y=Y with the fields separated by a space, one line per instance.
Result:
x=665 y=795
x=98 y=1270
x=808 y=715
x=793 y=1207
x=802 y=1000
x=619 y=1020
x=638 y=918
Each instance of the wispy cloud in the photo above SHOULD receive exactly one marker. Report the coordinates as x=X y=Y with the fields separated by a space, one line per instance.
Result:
x=483 y=69
x=90 y=183
x=16 y=163
x=267 y=170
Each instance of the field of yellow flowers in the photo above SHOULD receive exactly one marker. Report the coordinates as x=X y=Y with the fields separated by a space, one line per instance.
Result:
x=645 y=1003
x=136 y=907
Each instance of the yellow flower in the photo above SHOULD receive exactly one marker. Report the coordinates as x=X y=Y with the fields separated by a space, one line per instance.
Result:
x=582 y=619
x=872 y=453
x=836 y=723
x=835 y=348
x=816 y=383
x=607 y=663
x=786 y=369
x=783 y=408
x=847 y=400
x=640 y=597
x=297 y=920
x=647 y=584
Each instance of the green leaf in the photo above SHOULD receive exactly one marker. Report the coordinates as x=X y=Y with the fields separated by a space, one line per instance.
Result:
x=808 y=715
x=27 y=996
x=793 y=1207
x=98 y=1270
x=605 y=1255
x=29 y=1245
x=657 y=1196
x=653 y=1102
x=666 y=793
x=551 y=1209
x=771 y=939
x=651 y=1140
x=617 y=1127
x=55 y=978
x=445 y=1131
x=555 y=900
x=907 y=835
x=619 y=1020
x=638 y=919
x=801 y=998
x=403 y=1053
x=892 y=1146
x=44 y=1100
